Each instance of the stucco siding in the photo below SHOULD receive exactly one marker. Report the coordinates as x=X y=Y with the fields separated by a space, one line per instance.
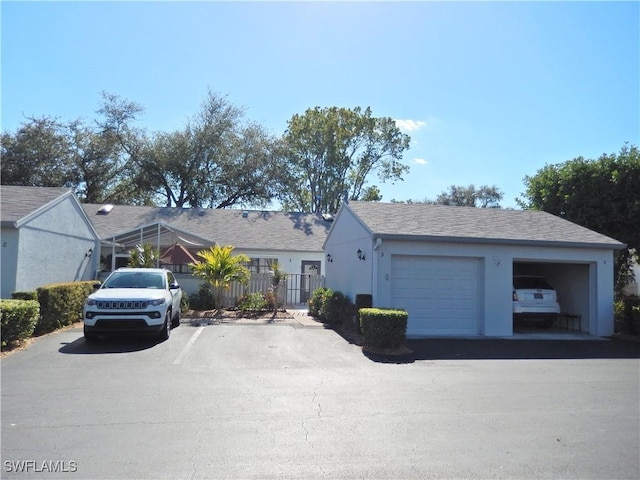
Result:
x=53 y=247
x=347 y=273
x=9 y=260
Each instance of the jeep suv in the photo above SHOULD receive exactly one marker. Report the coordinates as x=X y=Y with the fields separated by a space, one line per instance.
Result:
x=133 y=301
x=534 y=299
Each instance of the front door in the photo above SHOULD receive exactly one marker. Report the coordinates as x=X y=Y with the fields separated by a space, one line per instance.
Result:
x=309 y=267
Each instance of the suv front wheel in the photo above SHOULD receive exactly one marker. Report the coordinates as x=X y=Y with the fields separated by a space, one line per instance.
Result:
x=165 y=333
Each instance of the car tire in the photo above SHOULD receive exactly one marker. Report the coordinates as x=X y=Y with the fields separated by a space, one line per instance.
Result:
x=89 y=337
x=165 y=333
x=175 y=321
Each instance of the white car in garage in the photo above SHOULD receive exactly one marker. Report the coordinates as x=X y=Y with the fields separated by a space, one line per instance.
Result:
x=133 y=301
x=534 y=299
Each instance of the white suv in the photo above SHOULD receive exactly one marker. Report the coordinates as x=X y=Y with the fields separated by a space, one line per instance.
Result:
x=133 y=301
x=534 y=299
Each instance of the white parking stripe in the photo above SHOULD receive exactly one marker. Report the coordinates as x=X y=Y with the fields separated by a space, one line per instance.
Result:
x=189 y=344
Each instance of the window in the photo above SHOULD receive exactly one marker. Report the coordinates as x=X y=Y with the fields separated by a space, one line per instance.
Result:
x=260 y=265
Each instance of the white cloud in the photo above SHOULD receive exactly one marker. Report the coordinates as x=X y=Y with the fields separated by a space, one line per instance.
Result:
x=420 y=161
x=410 y=125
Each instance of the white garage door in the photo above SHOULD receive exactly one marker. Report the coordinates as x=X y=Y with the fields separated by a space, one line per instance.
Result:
x=441 y=294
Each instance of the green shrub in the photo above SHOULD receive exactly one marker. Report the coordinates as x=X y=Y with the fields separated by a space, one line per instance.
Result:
x=19 y=318
x=184 y=302
x=61 y=304
x=383 y=328
x=337 y=309
x=317 y=301
x=252 y=301
x=24 y=295
x=272 y=300
x=203 y=299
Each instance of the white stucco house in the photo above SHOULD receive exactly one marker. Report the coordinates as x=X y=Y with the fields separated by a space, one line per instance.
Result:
x=45 y=238
x=451 y=268
x=294 y=240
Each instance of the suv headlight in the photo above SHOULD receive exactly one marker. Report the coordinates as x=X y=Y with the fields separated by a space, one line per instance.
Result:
x=156 y=302
x=90 y=302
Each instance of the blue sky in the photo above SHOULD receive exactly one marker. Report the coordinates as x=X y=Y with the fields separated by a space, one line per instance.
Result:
x=489 y=92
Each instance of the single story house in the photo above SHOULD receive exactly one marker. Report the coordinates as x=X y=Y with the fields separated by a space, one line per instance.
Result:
x=451 y=268
x=294 y=240
x=46 y=238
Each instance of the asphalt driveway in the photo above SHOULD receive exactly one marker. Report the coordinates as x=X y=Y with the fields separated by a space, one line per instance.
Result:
x=289 y=401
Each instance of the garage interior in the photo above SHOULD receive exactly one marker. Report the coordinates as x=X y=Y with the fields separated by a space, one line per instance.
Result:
x=572 y=282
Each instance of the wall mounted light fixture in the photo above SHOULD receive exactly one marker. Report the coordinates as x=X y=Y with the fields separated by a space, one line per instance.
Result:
x=360 y=254
x=329 y=258
x=89 y=252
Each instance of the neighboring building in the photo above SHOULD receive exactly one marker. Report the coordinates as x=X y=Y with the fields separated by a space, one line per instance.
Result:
x=46 y=238
x=294 y=240
x=451 y=268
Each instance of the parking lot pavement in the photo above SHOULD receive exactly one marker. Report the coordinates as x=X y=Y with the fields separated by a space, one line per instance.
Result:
x=285 y=401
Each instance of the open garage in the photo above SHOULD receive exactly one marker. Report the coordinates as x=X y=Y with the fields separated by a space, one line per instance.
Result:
x=572 y=283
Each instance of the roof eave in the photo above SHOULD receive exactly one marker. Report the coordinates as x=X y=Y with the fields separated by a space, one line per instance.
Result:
x=499 y=241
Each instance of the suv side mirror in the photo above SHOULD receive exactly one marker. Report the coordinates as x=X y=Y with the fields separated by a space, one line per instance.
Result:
x=174 y=286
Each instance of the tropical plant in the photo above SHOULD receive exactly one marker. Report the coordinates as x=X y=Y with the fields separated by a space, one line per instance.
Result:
x=219 y=267
x=278 y=276
x=144 y=256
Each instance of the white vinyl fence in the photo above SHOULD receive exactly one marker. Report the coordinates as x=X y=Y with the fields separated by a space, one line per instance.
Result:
x=294 y=290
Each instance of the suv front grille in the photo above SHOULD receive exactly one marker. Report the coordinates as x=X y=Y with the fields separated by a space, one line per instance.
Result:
x=124 y=324
x=123 y=305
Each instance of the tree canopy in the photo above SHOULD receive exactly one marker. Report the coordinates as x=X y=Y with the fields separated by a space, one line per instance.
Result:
x=484 y=196
x=602 y=195
x=331 y=152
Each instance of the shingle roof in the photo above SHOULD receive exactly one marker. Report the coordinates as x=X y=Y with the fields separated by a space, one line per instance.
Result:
x=17 y=202
x=475 y=224
x=262 y=230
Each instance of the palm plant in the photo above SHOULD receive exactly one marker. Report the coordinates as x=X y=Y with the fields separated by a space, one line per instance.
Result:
x=219 y=267
x=144 y=256
x=278 y=276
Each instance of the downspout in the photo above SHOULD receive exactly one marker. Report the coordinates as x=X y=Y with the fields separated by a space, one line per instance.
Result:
x=375 y=268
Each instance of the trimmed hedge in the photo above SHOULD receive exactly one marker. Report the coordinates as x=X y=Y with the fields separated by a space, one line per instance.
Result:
x=24 y=295
x=383 y=328
x=61 y=304
x=19 y=318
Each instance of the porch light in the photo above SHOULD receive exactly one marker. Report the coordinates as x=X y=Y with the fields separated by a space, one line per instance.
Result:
x=360 y=254
x=329 y=258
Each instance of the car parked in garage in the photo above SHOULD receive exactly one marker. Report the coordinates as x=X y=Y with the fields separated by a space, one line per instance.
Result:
x=534 y=299
x=133 y=301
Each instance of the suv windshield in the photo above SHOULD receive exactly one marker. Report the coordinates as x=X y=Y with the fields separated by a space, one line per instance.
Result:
x=524 y=283
x=135 y=280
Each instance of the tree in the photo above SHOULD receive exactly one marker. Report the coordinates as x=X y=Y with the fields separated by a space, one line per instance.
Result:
x=278 y=276
x=91 y=159
x=39 y=154
x=602 y=195
x=483 y=197
x=218 y=160
x=219 y=267
x=332 y=152
x=144 y=256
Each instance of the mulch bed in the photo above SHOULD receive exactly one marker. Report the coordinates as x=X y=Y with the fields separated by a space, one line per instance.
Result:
x=236 y=314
